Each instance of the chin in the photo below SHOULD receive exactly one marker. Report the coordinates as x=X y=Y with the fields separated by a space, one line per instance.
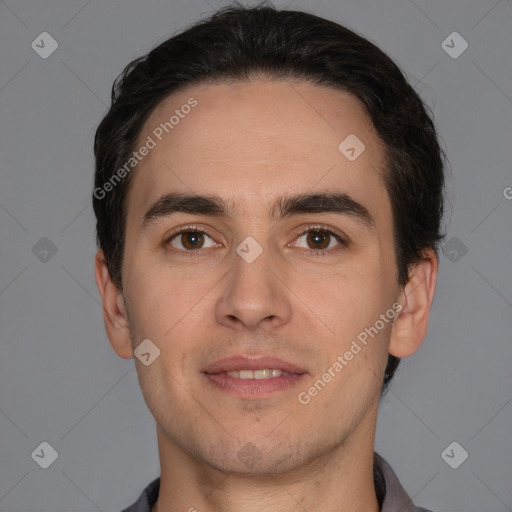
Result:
x=256 y=459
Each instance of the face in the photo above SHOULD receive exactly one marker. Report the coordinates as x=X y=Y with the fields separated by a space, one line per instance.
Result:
x=278 y=294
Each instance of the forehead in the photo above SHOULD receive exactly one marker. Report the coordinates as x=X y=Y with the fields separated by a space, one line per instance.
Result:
x=255 y=139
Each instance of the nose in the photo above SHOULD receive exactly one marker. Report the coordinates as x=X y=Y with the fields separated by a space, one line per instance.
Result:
x=254 y=293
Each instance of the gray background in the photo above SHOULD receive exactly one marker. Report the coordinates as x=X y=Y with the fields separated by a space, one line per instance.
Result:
x=61 y=382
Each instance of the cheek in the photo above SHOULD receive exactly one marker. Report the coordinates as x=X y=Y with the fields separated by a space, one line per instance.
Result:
x=351 y=304
x=153 y=302
x=356 y=293
x=167 y=302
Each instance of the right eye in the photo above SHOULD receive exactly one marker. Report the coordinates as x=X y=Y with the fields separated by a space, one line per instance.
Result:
x=189 y=239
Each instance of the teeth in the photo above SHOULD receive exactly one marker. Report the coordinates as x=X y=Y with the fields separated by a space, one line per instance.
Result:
x=257 y=374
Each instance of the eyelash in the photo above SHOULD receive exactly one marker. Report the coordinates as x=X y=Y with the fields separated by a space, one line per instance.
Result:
x=311 y=227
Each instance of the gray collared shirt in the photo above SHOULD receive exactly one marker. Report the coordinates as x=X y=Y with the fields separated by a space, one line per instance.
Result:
x=395 y=499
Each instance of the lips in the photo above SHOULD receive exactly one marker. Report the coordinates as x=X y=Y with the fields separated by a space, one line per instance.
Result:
x=253 y=377
x=271 y=367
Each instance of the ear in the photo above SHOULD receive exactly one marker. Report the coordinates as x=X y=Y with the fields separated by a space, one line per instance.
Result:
x=114 y=309
x=411 y=324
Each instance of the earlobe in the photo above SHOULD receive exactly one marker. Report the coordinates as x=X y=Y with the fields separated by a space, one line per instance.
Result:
x=115 y=314
x=411 y=324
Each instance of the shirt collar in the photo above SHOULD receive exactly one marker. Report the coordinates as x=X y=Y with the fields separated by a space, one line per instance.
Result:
x=395 y=498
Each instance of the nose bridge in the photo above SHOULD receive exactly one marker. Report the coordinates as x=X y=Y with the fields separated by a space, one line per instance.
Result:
x=253 y=292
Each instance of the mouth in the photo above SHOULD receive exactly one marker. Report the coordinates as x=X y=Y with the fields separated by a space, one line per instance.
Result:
x=253 y=377
x=267 y=373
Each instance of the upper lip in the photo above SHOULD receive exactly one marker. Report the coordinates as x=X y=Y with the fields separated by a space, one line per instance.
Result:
x=241 y=362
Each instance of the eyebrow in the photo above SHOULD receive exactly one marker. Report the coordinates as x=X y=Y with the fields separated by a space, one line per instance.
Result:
x=284 y=206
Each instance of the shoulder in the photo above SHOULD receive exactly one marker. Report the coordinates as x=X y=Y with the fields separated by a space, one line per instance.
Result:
x=147 y=498
x=396 y=498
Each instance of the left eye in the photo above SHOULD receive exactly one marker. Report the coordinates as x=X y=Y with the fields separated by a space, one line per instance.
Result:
x=318 y=239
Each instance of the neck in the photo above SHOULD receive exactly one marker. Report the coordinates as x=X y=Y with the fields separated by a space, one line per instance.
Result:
x=340 y=480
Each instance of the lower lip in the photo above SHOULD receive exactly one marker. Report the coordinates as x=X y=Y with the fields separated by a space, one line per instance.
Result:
x=253 y=388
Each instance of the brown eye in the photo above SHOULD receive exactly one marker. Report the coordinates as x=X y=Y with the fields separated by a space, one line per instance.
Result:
x=189 y=240
x=318 y=239
x=192 y=239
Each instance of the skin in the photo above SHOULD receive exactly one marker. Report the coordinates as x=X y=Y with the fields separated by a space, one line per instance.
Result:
x=249 y=143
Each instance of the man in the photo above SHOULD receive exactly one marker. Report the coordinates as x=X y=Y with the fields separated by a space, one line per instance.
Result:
x=268 y=196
